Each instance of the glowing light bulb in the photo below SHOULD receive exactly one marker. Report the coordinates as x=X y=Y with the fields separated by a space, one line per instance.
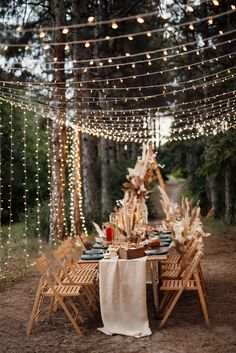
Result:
x=46 y=47
x=87 y=45
x=164 y=15
x=130 y=38
x=42 y=34
x=5 y=48
x=67 y=47
x=140 y=20
x=19 y=29
x=65 y=30
x=165 y=52
x=189 y=8
x=149 y=34
x=107 y=37
x=110 y=60
x=191 y=26
x=114 y=25
x=91 y=19
x=215 y=2
x=210 y=21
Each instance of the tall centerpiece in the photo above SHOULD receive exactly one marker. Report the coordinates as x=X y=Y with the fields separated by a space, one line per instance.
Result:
x=131 y=212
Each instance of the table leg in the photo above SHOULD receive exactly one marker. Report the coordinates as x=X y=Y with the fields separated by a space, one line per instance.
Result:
x=155 y=274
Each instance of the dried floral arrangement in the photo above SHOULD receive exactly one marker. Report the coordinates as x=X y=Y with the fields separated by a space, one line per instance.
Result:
x=131 y=212
x=183 y=221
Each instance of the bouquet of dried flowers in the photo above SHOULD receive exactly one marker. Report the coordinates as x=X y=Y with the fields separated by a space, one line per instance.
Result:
x=183 y=221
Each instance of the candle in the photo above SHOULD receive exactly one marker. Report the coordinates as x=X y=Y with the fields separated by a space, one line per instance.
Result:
x=109 y=232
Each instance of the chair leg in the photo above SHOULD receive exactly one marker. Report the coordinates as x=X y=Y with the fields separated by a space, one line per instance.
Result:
x=86 y=307
x=35 y=306
x=202 y=282
x=169 y=308
x=67 y=312
x=165 y=299
x=202 y=299
x=72 y=304
x=52 y=304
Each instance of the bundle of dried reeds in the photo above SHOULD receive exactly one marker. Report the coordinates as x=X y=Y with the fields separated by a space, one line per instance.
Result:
x=183 y=221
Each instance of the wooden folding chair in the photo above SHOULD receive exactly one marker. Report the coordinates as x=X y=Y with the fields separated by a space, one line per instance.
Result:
x=173 y=260
x=173 y=271
x=83 y=276
x=173 y=289
x=50 y=286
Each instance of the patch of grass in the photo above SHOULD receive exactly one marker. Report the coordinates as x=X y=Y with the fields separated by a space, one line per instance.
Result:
x=17 y=256
x=217 y=225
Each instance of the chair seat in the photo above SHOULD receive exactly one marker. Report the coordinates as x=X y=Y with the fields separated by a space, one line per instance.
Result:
x=170 y=274
x=65 y=290
x=81 y=279
x=84 y=271
x=172 y=266
x=177 y=284
x=91 y=266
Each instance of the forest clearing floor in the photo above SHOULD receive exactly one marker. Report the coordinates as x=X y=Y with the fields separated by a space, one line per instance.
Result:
x=185 y=331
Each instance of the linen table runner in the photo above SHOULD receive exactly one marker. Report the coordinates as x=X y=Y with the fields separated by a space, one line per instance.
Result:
x=123 y=305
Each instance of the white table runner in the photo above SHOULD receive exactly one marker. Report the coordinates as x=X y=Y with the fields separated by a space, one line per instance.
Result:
x=123 y=304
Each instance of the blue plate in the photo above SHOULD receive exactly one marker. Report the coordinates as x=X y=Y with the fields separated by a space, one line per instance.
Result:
x=97 y=246
x=94 y=252
x=165 y=242
x=92 y=257
x=165 y=238
x=164 y=232
x=156 y=252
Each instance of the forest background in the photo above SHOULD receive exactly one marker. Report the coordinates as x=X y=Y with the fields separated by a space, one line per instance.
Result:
x=207 y=164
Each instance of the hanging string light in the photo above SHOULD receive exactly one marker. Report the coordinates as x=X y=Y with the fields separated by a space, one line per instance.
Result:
x=38 y=226
x=1 y=201
x=25 y=185
x=11 y=178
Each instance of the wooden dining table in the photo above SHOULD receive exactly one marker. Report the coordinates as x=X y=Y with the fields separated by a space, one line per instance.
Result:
x=154 y=264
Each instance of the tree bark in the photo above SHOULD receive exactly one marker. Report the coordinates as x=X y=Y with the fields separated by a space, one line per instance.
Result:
x=58 y=180
x=214 y=199
x=229 y=204
x=104 y=176
x=88 y=144
x=88 y=172
x=112 y=155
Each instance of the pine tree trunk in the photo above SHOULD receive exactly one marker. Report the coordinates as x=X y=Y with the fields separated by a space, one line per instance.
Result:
x=104 y=176
x=88 y=143
x=88 y=172
x=213 y=195
x=112 y=154
x=58 y=180
x=134 y=151
x=229 y=204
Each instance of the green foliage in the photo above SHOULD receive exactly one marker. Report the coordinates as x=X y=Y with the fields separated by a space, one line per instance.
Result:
x=216 y=225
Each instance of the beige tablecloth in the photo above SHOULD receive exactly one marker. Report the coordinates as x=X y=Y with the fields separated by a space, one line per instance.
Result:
x=123 y=304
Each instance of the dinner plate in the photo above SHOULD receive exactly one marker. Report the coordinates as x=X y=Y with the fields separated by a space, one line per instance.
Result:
x=165 y=242
x=165 y=238
x=94 y=251
x=92 y=257
x=97 y=246
x=166 y=232
x=156 y=252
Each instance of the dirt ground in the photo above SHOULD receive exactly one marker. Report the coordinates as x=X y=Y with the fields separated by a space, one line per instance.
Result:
x=185 y=331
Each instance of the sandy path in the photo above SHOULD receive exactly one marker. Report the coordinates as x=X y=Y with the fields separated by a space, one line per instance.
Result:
x=185 y=331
